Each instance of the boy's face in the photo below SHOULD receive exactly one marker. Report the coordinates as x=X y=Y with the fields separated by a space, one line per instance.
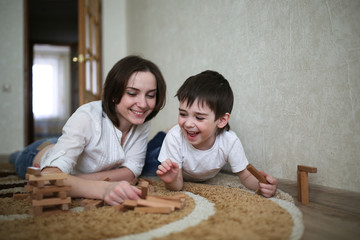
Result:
x=198 y=124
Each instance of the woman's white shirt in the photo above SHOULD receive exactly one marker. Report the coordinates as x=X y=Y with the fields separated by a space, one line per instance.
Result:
x=90 y=143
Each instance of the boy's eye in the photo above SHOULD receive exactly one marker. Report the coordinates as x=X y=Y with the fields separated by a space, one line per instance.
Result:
x=182 y=114
x=200 y=118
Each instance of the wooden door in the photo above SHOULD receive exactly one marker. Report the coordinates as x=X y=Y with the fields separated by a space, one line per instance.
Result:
x=89 y=58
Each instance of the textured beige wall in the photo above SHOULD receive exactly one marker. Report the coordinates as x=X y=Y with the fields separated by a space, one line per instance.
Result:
x=294 y=67
x=11 y=76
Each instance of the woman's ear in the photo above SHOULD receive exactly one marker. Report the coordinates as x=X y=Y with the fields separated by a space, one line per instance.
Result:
x=223 y=120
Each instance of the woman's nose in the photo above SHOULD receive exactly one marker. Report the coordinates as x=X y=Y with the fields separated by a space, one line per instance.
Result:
x=141 y=102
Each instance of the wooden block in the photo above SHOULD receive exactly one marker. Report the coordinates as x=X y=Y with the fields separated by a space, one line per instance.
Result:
x=144 y=189
x=147 y=203
x=162 y=210
x=50 y=189
x=256 y=173
x=307 y=169
x=304 y=188
x=48 y=176
x=50 y=201
x=299 y=185
x=178 y=197
x=65 y=207
x=94 y=203
x=130 y=203
x=33 y=171
x=175 y=203
x=20 y=196
x=134 y=182
x=28 y=188
x=146 y=180
x=62 y=195
x=121 y=208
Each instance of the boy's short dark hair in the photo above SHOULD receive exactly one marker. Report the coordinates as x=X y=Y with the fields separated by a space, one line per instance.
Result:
x=118 y=78
x=210 y=88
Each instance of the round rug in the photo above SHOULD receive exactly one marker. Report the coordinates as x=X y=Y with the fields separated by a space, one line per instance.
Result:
x=211 y=212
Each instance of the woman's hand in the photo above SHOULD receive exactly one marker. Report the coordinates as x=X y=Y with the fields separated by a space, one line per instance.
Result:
x=117 y=192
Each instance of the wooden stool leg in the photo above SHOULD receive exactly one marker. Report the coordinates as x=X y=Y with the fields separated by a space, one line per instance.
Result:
x=304 y=187
x=299 y=185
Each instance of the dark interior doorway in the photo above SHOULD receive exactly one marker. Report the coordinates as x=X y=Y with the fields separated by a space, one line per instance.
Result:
x=49 y=23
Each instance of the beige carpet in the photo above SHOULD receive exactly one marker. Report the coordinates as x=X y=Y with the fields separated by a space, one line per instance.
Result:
x=217 y=209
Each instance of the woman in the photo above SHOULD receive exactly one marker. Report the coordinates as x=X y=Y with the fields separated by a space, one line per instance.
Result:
x=105 y=138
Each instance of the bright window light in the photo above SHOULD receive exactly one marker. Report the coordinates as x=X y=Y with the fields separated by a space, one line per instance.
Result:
x=43 y=90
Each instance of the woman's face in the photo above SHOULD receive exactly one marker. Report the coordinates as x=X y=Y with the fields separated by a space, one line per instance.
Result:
x=138 y=100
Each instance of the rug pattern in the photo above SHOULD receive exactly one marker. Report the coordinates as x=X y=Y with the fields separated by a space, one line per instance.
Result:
x=240 y=214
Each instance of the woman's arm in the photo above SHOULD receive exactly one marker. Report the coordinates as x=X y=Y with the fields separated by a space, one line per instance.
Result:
x=113 y=193
x=118 y=174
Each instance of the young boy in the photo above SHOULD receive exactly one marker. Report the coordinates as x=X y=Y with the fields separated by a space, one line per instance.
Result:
x=202 y=143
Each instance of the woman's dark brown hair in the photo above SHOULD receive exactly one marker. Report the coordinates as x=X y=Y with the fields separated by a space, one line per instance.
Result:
x=118 y=78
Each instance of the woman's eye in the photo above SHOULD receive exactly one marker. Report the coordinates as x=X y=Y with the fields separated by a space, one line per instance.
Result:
x=131 y=93
x=151 y=95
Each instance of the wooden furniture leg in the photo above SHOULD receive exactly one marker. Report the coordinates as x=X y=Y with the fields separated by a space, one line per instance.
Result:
x=303 y=182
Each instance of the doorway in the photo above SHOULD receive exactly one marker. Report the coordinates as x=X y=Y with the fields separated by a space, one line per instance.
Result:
x=51 y=89
x=52 y=41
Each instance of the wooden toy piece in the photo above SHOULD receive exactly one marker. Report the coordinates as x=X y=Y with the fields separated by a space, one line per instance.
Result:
x=93 y=203
x=48 y=176
x=34 y=171
x=303 y=182
x=130 y=203
x=20 y=196
x=256 y=173
x=144 y=188
x=47 y=192
x=175 y=204
x=148 y=203
x=163 y=210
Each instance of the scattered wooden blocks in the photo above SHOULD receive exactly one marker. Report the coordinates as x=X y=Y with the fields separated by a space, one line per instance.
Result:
x=47 y=192
x=303 y=182
x=155 y=204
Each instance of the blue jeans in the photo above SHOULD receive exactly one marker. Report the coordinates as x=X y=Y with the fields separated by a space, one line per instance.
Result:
x=24 y=159
x=152 y=153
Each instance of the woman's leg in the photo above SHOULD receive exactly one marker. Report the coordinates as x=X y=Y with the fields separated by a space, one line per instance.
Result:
x=152 y=153
x=24 y=159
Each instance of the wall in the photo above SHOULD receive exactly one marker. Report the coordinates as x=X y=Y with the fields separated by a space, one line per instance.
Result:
x=294 y=67
x=12 y=75
x=113 y=33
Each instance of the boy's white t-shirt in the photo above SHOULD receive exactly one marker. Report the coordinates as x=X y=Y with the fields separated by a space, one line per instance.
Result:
x=200 y=165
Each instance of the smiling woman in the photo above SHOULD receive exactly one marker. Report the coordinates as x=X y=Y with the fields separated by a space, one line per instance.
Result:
x=106 y=138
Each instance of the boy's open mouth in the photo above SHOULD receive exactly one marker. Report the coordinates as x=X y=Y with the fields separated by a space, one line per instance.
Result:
x=192 y=134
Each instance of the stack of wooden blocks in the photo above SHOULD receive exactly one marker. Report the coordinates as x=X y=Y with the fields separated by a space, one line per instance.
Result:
x=47 y=192
x=153 y=203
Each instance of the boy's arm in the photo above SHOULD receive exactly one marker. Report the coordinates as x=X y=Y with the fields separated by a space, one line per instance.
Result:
x=249 y=181
x=170 y=173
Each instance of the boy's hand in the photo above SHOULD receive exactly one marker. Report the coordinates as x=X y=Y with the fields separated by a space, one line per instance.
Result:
x=168 y=171
x=268 y=190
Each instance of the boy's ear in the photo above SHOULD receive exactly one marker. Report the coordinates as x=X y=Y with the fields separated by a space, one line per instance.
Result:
x=223 y=120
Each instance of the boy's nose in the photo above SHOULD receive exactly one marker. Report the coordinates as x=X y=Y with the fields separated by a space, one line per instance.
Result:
x=189 y=123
